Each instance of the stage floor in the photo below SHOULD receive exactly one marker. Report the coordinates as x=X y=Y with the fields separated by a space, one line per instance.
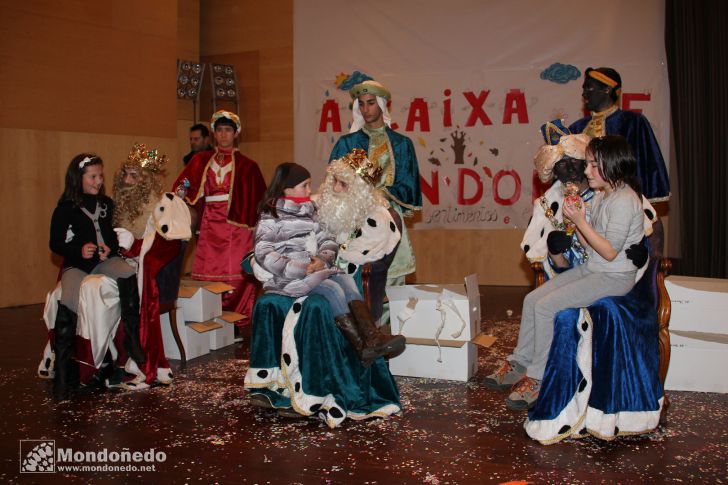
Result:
x=450 y=432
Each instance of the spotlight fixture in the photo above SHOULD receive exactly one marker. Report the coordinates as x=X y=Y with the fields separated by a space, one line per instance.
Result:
x=189 y=81
x=224 y=85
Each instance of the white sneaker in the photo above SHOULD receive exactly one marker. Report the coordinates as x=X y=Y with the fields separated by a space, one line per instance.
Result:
x=165 y=376
x=139 y=381
x=136 y=384
x=47 y=366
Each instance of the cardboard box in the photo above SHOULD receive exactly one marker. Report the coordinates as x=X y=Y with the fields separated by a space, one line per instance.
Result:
x=697 y=362
x=426 y=360
x=225 y=335
x=194 y=337
x=698 y=304
x=698 y=334
x=201 y=300
x=437 y=348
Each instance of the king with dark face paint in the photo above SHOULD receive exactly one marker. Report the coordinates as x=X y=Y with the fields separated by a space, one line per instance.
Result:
x=600 y=94
x=568 y=171
x=597 y=96
x=571 y=170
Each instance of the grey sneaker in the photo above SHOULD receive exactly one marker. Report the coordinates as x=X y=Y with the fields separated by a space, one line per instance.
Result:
x=524 y=394
x=508 y=374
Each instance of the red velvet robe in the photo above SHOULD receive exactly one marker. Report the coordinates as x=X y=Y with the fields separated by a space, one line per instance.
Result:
x=246 y=189
x=226 y=227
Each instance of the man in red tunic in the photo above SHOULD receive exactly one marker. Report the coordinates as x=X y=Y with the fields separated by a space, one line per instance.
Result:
x=225 y=187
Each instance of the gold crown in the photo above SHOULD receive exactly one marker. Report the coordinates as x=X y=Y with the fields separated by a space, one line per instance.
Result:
x=362 y=166
x=147 y=159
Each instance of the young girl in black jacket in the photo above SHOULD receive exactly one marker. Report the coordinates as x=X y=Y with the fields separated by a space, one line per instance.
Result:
x=82 y=233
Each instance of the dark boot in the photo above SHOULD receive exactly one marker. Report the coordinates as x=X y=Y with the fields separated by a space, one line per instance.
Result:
x=129 y=301
x=66 y=377
x=375 y=342
x=98 y=380
x=348 y=328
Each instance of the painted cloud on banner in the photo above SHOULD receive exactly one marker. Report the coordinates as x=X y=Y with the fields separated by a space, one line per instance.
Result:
x=560 y=73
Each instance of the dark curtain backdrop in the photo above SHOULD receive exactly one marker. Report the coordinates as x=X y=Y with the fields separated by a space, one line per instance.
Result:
x=696 y=39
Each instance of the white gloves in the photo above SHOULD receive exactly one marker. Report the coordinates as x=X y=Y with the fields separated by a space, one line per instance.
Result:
x=126 y=238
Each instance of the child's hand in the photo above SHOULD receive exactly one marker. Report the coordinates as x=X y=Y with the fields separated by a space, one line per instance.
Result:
x=575 y=212
x=88 y=250
x=316 y=264
x=104 y=252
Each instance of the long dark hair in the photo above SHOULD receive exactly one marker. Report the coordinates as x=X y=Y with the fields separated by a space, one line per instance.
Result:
x=616 y=161
x=74 y=187
x=275 y=189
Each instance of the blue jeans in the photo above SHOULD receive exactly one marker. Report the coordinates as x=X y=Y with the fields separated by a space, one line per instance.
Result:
x=339 y=290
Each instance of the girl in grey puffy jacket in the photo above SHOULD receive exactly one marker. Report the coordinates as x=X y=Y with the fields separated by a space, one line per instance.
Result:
x=289 y=242
x=299 y=256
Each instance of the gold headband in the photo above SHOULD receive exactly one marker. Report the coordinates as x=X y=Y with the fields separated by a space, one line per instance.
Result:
x=603 y=78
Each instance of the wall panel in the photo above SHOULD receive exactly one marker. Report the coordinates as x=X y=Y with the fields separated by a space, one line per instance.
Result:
x=80 y=76
x=30 y=195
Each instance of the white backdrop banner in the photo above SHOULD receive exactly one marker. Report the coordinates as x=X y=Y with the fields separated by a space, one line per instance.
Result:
x=472 y=81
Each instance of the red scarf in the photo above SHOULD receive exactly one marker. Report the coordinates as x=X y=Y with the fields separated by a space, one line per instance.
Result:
x=298 y=200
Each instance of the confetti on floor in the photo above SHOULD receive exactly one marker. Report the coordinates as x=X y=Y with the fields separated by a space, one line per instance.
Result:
x=449 y=432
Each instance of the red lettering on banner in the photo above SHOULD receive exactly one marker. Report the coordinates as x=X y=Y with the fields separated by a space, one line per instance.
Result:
x=516 y=193
x=447 y=111
x=330 y=114
x=462 y=172
x=418 y=116
x=432 y=190
x=477 y=112
x=537 y=187
x=515 y=103
x=627 y=99
x=418 y=112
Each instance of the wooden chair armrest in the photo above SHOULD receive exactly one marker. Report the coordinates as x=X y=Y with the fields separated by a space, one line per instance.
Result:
x=365 y=272
x=539 y=277
x=664 y=309
x=171 y=308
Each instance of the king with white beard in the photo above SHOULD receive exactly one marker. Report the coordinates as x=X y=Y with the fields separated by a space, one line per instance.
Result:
x=367 y=229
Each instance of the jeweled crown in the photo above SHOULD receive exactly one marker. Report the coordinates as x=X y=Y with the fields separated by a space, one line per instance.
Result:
x=146 y=158
x=362 y=166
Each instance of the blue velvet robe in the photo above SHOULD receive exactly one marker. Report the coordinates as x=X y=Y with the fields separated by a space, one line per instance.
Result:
x=602 y=374
x=651 y=169
x=405 y=190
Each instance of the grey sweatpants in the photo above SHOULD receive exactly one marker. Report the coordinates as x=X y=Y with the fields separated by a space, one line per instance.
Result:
x=71 y=279
x=576 y=287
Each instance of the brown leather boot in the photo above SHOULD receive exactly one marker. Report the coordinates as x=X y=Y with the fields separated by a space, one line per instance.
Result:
x=375 y=342
x=348 y=328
